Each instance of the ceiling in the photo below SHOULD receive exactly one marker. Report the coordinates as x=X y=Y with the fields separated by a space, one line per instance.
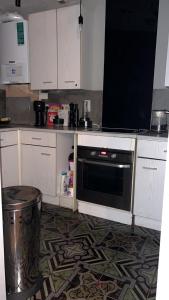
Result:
x=29 y=6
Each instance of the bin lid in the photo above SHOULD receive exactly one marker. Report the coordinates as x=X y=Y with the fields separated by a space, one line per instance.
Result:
x=18 y=197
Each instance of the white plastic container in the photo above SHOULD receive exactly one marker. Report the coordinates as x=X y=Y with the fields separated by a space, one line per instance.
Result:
x=63 y=183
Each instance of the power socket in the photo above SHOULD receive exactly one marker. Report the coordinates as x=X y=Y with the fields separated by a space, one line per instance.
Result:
x=43 y=96
x=88 y=105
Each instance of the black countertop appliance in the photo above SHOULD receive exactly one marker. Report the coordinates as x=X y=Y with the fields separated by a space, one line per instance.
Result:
x=40 y=113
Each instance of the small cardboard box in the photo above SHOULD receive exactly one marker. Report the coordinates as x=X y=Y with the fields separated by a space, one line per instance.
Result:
x=63 y=113
x=53 y=109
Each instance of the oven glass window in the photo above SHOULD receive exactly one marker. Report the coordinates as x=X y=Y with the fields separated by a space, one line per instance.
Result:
x=104 y=179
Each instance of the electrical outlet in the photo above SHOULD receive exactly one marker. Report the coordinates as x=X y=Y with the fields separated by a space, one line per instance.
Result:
x=43 y=96
x=88 y=105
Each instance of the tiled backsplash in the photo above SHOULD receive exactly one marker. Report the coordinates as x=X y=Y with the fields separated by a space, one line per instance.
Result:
x=2 y=103
x=161 y=99
x=20 y=109
x=77 y=97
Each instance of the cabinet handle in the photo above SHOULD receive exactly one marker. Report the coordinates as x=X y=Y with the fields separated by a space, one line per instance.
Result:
x=1 y=140
x=34 y=138
x=165 y=151
x=69 y=81
x=11 y=61
x=45 y=82
x=45 y=154
x=106 y=164
x=148 y=168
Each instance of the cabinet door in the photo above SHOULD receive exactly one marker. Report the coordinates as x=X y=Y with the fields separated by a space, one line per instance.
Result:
x=39 y=168
x=43 y=50
x=68 y=47
x=167 y=68
x=149 y=186
x=10 y=166
x=93 y=40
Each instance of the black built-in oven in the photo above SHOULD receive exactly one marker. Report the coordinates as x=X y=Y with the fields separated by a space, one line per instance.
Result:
x=104 y=176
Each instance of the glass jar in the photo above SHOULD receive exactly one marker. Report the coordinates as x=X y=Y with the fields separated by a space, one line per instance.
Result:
x=159 y=120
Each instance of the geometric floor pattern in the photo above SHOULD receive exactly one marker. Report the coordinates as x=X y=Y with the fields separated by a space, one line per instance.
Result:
x=88 y=258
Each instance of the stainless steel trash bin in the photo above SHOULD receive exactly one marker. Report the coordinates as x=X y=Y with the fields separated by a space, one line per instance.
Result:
x=21 y=224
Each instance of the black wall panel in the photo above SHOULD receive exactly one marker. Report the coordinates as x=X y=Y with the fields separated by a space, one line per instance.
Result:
x=130 y=42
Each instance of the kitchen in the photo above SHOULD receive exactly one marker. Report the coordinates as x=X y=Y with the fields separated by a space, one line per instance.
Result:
x=163 y=93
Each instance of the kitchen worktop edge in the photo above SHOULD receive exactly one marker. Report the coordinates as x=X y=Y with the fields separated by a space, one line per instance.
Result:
x=147 y=136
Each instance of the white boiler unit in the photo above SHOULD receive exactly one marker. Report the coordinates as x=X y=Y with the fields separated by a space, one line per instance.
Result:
x=14 y=52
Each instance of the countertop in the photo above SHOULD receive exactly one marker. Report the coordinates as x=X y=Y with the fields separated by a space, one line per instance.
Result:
x=141 y=135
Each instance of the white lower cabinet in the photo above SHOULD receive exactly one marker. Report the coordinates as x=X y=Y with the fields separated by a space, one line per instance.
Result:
x=38 y=163
x=149 y=187
x=10 y=168
x=9 y=158
x=44 y=157
x=39 y=169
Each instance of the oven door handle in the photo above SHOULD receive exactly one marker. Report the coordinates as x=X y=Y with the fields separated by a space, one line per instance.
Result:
x=91 y=162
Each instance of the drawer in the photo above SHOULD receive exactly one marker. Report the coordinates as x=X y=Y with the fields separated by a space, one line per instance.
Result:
x=8 y=138
x=112 y=142
x=152 y=149
x=38 y=138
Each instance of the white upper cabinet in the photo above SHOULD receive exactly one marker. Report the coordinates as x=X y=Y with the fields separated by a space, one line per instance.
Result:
x=55 y=49
x=93 y=40
x=167 y=68
x=68 y=47
x=161 y=46
x=43 y=50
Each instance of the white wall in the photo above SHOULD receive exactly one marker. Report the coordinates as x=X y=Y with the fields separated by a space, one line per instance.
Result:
x=2 y=267
x=162 y=283
x=162 y=44
x=93 y=36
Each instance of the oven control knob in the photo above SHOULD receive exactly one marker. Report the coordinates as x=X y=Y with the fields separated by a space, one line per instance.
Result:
x=93 y=153
x=113 y=155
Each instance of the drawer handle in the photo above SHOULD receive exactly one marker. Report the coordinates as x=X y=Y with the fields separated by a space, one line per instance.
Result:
x=69 y=81
x=45 y=154
x=46 y=82
x=148 y=168
x=38 y=139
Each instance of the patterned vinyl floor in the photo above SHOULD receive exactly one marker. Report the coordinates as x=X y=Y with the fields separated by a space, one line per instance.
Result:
x=88 y=258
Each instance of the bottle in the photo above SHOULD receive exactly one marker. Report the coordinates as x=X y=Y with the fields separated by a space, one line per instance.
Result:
x=70 y=184
x=63 y=183
x=71 y=161
x=76 y=115
x=71 y=115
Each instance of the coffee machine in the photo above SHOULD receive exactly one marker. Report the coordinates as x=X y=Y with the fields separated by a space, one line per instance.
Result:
x=40 y=113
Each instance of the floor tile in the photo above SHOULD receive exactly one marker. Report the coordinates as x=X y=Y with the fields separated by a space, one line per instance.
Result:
x=89 y=258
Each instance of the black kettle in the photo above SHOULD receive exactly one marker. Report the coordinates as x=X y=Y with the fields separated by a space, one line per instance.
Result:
x=73 y=115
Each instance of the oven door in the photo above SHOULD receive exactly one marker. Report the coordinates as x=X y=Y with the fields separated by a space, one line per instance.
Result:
x=104 y=183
